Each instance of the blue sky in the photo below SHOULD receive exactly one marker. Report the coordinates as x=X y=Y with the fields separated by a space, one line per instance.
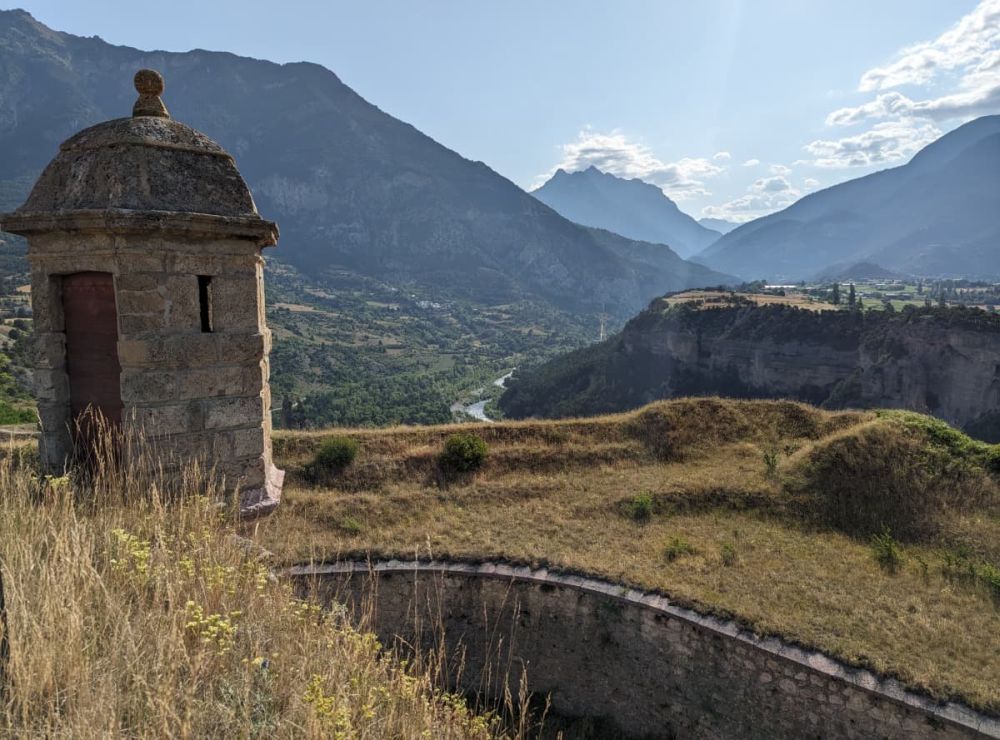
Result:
x=735 y=107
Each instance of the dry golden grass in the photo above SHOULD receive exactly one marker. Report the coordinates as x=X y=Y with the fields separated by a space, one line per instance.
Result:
x=563 y=493
x=131 y=617
x=721 y=299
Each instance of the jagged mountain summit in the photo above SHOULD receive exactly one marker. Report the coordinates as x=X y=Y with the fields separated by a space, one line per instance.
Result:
x=718 y=224
x=352 y=187
x=934 y=216
x=632 y=208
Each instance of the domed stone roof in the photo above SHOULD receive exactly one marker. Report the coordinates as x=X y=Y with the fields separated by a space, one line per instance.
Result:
x=148 y=163
x=141 y=164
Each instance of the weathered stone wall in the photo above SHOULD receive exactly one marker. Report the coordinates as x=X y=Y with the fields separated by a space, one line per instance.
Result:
x=195 y=394
x=650 y=667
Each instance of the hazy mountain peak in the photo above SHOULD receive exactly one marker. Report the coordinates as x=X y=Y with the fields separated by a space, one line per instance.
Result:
x=935 y=216
x=722 y=225
x=630 y=207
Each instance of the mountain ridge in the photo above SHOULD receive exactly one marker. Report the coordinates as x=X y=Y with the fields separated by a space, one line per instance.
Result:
x=723 y=226
x=352 y=187
x=630 y=207
x=931 y=216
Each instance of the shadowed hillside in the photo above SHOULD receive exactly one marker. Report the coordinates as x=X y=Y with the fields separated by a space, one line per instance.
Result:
x=351 y=186
x=933 y=216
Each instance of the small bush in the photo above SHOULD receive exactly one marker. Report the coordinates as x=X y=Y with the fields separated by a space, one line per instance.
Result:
x=727 y=552
x=640 y=508
x=463 y=453
x=960 y=567
x=11 y=415
x=677 y=547
x=989 y=576
x=771 y=463
x=993 y=459
x=350 y=526
x=334 y=456
x=887 y=551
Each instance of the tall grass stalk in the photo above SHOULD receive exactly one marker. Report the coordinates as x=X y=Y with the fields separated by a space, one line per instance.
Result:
x=132 y=611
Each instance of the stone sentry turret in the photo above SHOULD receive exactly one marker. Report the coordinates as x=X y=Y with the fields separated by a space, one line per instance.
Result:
x=148 y=296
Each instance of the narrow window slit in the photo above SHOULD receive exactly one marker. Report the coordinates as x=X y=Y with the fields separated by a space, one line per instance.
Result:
x=205 y=302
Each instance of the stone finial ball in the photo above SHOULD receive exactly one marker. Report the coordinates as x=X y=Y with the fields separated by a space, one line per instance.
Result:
x=149 y=82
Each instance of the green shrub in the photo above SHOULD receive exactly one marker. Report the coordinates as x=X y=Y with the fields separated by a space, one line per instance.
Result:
x=463 y=453
x=993 y=459
x=959 y=566
x=771 y=463
x=677 y=547
x=727 y=553
x=12 y=415
x=350 y=526
x=640 y=508
x=334 y=456
x=887 y=551
x=989 y=576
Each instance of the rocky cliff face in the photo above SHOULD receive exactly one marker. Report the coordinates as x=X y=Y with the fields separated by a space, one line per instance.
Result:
x=938 y=361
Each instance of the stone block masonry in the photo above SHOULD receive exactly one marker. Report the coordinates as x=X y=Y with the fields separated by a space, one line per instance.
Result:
x=145 y=249
x=648 y=666
x=195 y=394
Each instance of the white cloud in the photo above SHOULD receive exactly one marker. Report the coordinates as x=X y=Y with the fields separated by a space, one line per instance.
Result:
x=617 y=154
x=751 y=163
x=885 y=143
x=722 y=156
x=770 y=185
x=976 y=102
x=966 y=58
x=887 y=104
x=810 y=183
x=965 y=47
x=960 y=71
x=765 y=195
x=779 y=169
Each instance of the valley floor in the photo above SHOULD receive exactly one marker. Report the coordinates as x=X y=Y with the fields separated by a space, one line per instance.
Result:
x=747 y=509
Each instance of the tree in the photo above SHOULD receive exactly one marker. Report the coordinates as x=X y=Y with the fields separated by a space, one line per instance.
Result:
x=852 y=298
x=920 y=287
x=836 y=294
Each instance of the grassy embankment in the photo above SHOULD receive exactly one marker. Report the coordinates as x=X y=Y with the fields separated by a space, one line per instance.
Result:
x=873 y=537
x=127 y=616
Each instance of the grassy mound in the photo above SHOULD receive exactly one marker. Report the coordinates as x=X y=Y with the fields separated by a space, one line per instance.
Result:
x=902 y=472
x=672 y=428
x=127 y=615
x=763 y=511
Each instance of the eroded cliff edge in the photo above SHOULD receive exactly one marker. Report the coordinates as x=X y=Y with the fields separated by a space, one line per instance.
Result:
x=942 y=361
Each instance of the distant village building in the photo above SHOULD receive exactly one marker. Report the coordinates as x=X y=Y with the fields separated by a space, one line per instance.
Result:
x=148 y=294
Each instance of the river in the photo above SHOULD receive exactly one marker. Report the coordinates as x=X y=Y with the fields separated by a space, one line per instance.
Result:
x=477 y=410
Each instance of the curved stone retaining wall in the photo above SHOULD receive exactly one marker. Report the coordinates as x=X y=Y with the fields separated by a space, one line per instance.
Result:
x=632 y=658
